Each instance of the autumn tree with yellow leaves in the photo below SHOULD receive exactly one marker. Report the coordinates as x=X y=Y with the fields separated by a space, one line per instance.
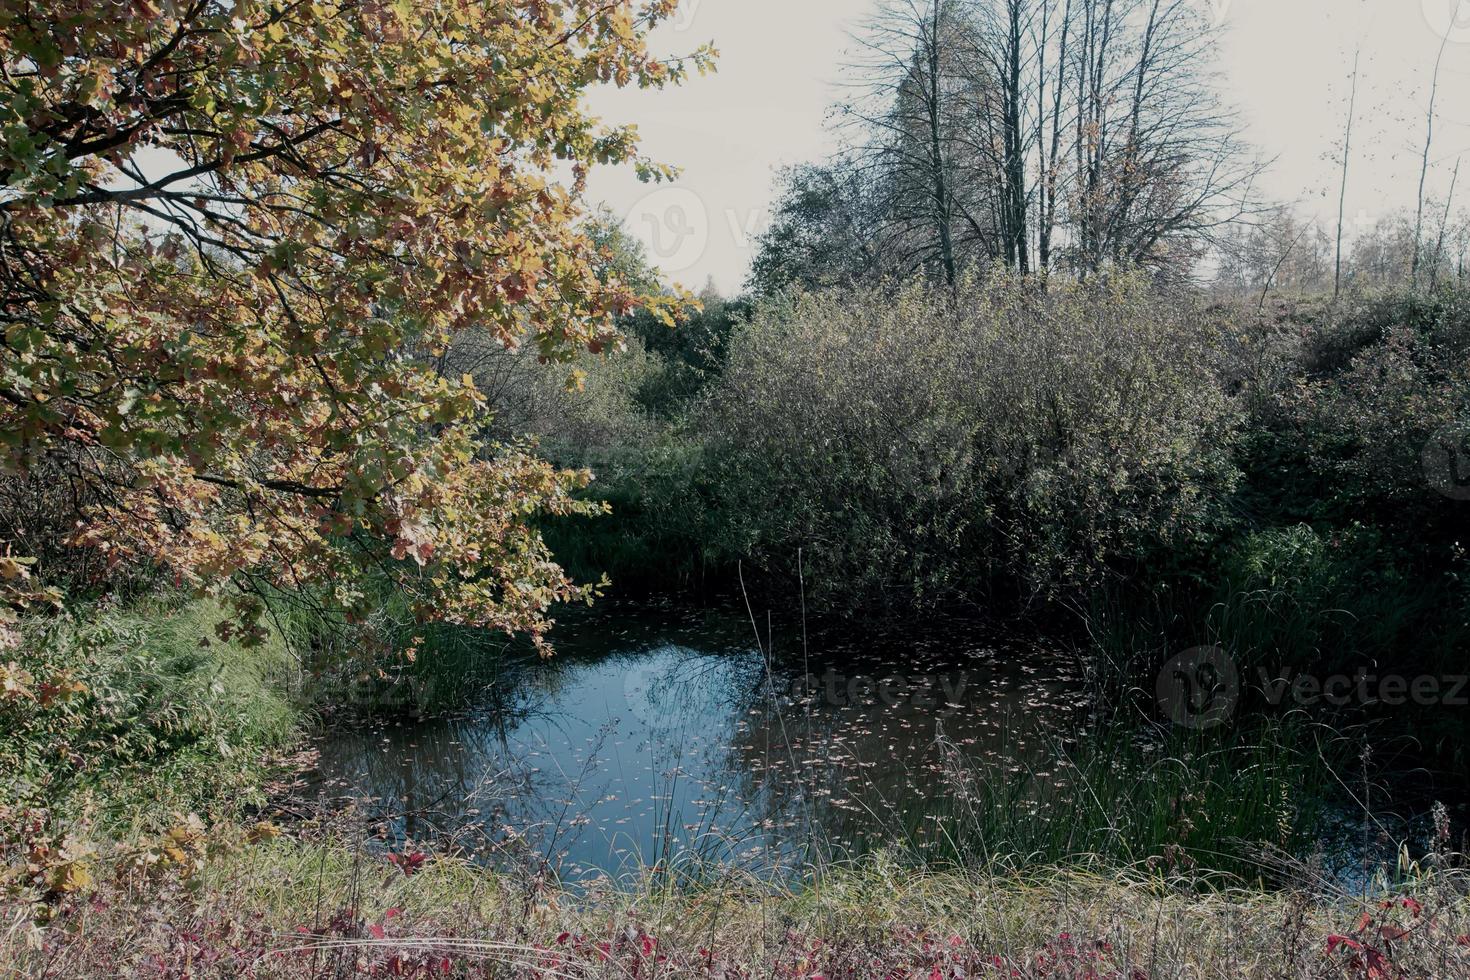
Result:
x=233 y=236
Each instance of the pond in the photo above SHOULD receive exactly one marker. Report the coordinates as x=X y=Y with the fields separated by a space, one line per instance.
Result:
x=659 y=736
x=655 y=735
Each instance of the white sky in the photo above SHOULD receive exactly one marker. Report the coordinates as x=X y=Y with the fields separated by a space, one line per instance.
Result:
x=1285 y=66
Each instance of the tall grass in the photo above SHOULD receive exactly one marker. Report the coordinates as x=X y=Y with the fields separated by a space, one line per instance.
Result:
x=170 y=719
x=325 y=908
x=1243 y=804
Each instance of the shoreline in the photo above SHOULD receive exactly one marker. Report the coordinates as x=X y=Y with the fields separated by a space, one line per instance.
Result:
x=285 y=908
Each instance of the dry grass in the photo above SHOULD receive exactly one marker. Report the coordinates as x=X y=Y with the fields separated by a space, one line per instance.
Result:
x=290 y=909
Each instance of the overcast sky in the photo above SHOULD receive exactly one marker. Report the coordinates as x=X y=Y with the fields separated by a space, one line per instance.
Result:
x=1284 y=65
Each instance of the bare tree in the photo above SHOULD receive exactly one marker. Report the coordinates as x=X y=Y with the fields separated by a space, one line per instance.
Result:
x=1279 y=250
x=1347 y=149
x=1160 y=159
x=1049 y=129
x=1444 y=222
x=1042 y=133
x=903 y=108
x=1005 y=40
x=1424 y=163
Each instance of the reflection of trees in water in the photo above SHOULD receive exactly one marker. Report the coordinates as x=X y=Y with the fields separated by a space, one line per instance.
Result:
x=686 y=701
x=842 y=771
x=465 y=782
x=627 y=744
x=526 y=768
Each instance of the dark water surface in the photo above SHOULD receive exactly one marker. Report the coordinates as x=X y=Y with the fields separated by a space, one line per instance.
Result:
x=662 y=736
x=658 y=735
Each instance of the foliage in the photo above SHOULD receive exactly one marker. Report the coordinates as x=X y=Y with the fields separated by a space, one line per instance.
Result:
x=690 y=359
x=237 y=234
x=819 y=237
x=573 y=425
x=1295 y=597
x=1005 y=440
x=1386 y=380
x=1126 y=794
x=1343 y=555
x=131 y=717
x=663 y=531
x=288 y=908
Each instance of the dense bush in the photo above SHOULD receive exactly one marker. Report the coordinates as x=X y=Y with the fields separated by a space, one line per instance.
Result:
x=577 y=412
x=1335 y=600
x=134 y=717
x=1001 y=441
x=1192 y=474
x=1343 y=553
x=1363 y=397
x=620 y=416
x=1348 y=553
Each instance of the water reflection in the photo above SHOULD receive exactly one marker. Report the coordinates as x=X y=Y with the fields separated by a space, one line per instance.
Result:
x=656 y=737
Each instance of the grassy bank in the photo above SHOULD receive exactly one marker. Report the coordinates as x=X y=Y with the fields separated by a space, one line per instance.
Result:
x=127 y=733
x=131 y=847
x=129 y=718
x=292 y=909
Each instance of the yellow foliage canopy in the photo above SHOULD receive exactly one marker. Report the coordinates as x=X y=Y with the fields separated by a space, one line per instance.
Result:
x=233 y=236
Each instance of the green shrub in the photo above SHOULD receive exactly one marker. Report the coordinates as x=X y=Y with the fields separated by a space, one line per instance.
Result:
x=1300 y=598
x=1339 y=431
x=148 y=715
x=659 y=532
x=1002 y=440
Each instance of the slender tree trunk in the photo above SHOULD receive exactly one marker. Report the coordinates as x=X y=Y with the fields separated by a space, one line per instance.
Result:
x=1094 y=136
x=936 y=149
x=1084 y=63
x=1424 y=163
x=1443 y=224
x=1041 y=232
x=1347 y=149
x=1132 y=176
x=1015 y=166
x=1052 y=161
